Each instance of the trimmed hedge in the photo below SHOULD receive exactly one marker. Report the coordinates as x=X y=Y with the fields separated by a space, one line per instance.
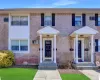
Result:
x=6 y=58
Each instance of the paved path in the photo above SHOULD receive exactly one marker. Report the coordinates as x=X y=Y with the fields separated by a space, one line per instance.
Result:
x=92 y=74
x=47 y=75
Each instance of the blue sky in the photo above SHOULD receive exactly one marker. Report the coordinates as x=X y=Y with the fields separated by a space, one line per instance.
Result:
x=49 y=4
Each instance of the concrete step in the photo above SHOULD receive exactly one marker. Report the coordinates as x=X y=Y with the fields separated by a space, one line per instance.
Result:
x=47 y=66
x=86 y=66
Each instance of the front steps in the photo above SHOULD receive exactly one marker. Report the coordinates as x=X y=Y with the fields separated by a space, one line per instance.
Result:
x=86 y=66
x=47 y=65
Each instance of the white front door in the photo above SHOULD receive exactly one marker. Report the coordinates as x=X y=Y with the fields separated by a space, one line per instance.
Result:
x=48 y=49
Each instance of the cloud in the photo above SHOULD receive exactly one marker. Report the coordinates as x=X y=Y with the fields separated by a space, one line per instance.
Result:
x=55 y=4
x=65 y=2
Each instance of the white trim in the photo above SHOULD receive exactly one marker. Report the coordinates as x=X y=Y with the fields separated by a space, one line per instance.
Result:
x=41 y=52
x=9 y=38
x=82 y=48
x=54 y=48
x=19 y=46
x=81 y=20
x=84 y=31
x=92 y=48
x=48 y=30
x=44 y=48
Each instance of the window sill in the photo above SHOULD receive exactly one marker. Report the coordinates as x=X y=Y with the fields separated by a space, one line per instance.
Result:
x=20 y=51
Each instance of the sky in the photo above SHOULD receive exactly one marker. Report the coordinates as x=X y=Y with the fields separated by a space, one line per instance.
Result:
x=49 y=4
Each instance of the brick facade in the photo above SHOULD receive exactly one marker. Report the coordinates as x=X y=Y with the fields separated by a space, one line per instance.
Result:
x=63 y=23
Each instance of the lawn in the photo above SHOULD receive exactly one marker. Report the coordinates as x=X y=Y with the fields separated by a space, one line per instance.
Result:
x=17 y=73
x=74 y=77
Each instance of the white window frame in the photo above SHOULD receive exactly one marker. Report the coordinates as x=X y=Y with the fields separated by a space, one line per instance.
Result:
x=45 y=20
x=98 y=45
x=19 y=46
x=81 y=20
x=98 y=20
x=19 y=15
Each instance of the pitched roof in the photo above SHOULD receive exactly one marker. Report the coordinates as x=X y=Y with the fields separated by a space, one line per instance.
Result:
x=47 y=30
x=85 y=30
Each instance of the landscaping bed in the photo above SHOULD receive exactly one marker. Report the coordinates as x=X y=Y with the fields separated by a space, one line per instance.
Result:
x=71 y=74
x=17 y=73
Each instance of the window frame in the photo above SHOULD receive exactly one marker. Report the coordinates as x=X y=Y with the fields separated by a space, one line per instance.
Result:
x=98 y=20
x=20 y=51
x=98 y=45
x=48 y=20
x=78 y=21
x=11 y=17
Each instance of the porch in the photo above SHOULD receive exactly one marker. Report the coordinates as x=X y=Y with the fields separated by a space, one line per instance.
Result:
x=84 y=44
x=48 y=47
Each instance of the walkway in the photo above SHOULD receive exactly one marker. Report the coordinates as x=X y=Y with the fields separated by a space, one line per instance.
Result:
x=92 y=74
x=47 y=75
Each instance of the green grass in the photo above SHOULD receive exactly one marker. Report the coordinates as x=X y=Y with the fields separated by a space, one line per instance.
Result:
x=17 y=73
x=74 y=77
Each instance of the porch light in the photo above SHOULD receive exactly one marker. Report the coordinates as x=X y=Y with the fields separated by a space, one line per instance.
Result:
x=48 y=35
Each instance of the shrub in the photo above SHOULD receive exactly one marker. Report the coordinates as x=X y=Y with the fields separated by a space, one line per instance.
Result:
x=6 y=58
x=67 y=65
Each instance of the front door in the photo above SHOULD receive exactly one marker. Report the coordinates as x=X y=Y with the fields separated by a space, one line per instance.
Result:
x=48 y=50
x=79 y=50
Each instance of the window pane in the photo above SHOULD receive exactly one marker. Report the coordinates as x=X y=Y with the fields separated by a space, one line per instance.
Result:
x=15 y=20
x=23 y=45
x=77 y=23
x=98 y=23
x=77 y=18
x=24 y=20
x=15 y=45
x=99 y=18
x=47 y=20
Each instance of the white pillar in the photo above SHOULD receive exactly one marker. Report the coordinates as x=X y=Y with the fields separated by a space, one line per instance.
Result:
x=54 y=48
x=92 y=48
x=83 y=51
x=40 y=48
x=76 y=48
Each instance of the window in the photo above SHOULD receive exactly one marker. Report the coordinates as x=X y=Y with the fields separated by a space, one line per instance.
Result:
x=98 y=45
x=47 y=20
x=78 y=21
x=23 y=45
x=19 y=20
x=19 y=45
x=98 y=20
x=15 y=45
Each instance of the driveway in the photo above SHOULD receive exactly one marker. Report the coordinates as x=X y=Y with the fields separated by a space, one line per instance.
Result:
x=47 y=75
x=92 y=74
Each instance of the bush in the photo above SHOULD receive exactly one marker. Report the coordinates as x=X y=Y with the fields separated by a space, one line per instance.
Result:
x=67 y=65
x=6 y=58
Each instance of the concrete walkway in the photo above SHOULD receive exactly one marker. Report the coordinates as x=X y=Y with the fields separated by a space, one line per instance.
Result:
x=47 y=75
x=92 y=74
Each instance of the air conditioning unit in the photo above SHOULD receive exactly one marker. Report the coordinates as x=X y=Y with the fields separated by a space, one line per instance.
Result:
x=35 y=41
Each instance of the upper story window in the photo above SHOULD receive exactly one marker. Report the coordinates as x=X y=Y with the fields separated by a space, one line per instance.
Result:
x=78 y=20
x=19 y=20
x=98 y=20
x=47 y=20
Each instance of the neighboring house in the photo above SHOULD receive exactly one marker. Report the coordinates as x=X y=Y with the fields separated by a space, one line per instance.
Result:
x=57 y=35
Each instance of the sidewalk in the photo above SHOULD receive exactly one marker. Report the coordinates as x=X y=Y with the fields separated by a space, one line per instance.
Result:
x=92 y=74
x=47 y=75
